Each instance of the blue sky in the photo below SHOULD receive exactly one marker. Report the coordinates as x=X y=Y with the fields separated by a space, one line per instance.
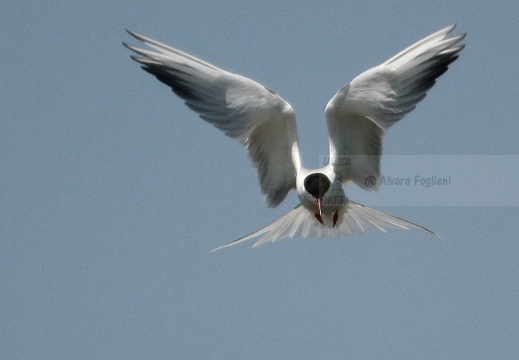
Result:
x=109 y=208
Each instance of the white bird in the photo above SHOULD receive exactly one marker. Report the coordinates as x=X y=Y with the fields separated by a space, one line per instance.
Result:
x=357 y=117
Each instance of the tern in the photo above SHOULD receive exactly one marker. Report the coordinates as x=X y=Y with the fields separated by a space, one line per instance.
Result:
x=357 y=118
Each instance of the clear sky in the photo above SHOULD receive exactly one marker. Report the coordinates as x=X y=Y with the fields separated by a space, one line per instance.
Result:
x=110 y=203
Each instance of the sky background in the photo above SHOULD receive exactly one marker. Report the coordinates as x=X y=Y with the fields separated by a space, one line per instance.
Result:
x=110 y=203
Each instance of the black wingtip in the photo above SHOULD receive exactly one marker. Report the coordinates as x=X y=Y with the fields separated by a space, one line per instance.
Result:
x=131 y=33
x=137 y=36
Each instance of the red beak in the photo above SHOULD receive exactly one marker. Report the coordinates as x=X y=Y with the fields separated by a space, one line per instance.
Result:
x=318 y=202
x=319 y=216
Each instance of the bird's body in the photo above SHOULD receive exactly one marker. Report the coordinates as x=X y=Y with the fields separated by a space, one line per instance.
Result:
x=357 y=118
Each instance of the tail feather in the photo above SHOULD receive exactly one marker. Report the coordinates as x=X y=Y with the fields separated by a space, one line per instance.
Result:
x=353 y=218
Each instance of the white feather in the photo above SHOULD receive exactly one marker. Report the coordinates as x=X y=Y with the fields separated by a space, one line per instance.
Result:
x=244 y=109
x=354 y=218
x=357 y=117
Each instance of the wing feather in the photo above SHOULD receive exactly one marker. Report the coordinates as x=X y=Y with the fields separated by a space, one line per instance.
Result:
x=359 y=115
x=242 y=108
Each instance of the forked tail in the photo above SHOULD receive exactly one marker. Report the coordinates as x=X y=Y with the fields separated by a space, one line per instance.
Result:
x=353 y=218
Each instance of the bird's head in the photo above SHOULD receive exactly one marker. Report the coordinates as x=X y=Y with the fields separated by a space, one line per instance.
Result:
x=316 y=186
x=321 y=194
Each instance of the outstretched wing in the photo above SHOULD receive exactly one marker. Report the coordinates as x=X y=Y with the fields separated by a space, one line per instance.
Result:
x=244 y=109
x=353 y=218
x=360 y=113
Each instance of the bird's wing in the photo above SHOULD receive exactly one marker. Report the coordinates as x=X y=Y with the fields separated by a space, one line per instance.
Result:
x=353 y=218
x=361 y=112
x=244 y=109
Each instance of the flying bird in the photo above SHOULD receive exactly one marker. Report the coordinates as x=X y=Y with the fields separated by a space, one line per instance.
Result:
x=357 y=118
